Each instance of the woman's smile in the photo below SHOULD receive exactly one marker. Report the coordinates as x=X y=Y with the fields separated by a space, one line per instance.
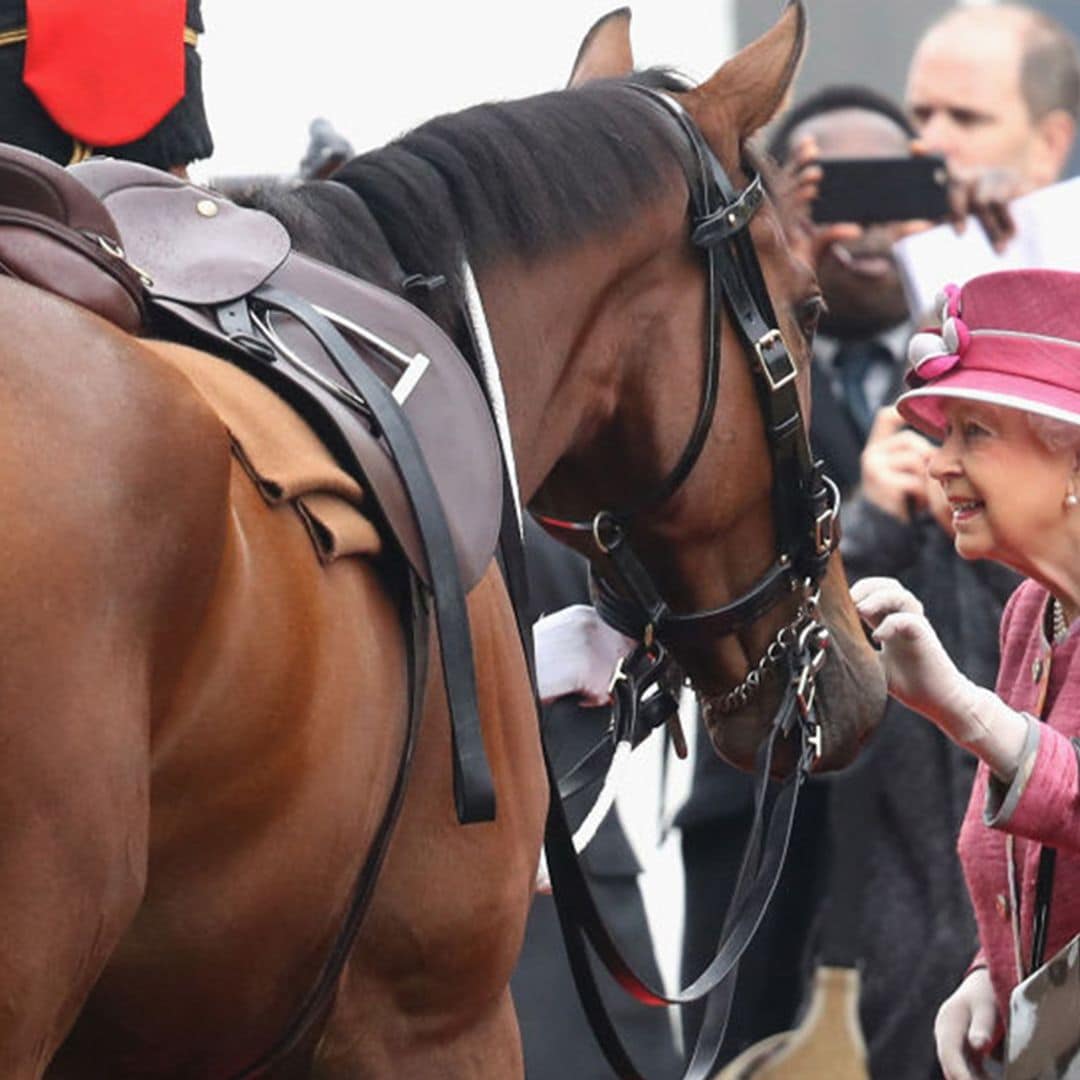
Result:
x=964 y=510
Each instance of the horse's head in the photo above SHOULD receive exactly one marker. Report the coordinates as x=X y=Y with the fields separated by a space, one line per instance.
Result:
x=720 y=532
x=594 y=220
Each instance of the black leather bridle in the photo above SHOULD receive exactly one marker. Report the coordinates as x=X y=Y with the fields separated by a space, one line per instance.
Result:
x=805 y=502
x=805 y=505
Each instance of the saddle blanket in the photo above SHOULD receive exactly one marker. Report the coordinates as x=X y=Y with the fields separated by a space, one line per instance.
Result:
x=285 y=459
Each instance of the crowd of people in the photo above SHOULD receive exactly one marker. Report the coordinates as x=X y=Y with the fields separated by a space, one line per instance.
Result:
x=961 y=480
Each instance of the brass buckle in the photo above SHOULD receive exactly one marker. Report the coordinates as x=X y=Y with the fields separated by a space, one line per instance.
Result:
x=768 y=340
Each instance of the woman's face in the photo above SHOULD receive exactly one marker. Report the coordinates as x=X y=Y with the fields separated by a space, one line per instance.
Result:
x=1005 y=487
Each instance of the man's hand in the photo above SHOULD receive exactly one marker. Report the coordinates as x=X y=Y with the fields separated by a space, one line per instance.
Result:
x=965 y=1027
x=893 y=466
x=985 y=195
x=576 y=653
x=800 y=178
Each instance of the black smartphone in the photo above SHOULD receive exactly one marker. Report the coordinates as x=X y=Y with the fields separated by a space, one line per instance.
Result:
x=869 y=190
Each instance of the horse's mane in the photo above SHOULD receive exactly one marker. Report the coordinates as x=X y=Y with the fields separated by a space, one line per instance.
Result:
x=526 y=176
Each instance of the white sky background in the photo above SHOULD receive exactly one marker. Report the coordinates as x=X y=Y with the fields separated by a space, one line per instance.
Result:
x=377 y=70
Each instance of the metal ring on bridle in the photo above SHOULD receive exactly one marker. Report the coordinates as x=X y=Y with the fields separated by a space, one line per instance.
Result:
x=607 y=532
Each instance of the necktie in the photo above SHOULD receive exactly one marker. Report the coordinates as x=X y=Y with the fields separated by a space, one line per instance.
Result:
x=857 y=361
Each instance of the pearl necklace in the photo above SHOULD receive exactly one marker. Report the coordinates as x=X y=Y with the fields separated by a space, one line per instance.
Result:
x=1061 y=626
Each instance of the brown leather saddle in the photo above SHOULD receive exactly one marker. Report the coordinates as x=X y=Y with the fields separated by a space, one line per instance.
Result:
x=200 y=251
x=379 y=382
x=126 y=235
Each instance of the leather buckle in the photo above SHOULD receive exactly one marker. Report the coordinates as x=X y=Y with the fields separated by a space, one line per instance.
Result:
x=769 y=340
x=823 y=532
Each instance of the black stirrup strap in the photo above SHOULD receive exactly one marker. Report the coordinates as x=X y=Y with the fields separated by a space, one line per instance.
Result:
x=474 y=789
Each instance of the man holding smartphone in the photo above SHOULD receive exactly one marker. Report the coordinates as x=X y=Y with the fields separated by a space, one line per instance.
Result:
x=996 y=90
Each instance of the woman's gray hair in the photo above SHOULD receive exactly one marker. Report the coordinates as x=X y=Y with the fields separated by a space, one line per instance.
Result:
x=1055 y=435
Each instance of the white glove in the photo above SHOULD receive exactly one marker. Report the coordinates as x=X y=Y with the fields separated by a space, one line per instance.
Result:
x=965 y=1027
x=921 y=675
x=918 y=669
x=576 y=653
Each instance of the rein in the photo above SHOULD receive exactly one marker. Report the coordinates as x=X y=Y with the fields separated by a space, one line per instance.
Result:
x=805 y=505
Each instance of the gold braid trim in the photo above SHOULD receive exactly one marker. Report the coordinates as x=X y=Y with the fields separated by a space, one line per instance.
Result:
x=17 y=37
x=80 y=152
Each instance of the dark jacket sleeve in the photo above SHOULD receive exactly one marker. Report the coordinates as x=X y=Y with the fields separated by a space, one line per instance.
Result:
x=873 y=542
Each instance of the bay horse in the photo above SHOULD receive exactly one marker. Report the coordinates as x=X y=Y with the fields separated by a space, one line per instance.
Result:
x=201 y=724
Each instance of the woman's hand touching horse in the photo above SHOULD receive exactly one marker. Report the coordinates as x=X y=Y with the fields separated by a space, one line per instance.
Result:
x=921 y=675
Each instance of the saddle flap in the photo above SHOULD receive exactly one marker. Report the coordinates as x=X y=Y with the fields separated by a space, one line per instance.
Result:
x=441 y=398
x=196 y=246
x=446 y=408
x=202 y=252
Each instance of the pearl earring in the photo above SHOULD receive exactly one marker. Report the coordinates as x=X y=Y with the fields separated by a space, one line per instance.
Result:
x=1071 y=500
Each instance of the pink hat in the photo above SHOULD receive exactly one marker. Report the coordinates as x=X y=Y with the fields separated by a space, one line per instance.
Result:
x=1010 y=338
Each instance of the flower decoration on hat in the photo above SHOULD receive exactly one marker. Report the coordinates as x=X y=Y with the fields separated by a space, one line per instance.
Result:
x=934 y=352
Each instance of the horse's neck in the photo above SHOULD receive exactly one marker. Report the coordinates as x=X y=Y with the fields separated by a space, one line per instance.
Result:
x=564 y=331
x=537 y=320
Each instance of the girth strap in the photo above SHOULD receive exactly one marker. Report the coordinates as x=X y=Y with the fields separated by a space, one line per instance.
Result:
x=474 y=790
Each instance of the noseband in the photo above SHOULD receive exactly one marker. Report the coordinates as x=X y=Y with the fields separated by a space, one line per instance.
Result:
x=805 y=502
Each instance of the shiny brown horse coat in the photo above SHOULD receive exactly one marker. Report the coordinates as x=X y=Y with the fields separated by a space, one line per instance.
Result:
x=200 y=724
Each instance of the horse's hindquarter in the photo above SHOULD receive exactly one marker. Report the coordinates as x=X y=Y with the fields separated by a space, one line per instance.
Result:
x=426 y=990
x=272 y=760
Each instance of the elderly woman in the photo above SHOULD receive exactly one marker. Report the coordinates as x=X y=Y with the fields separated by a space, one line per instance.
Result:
x=1000 y=388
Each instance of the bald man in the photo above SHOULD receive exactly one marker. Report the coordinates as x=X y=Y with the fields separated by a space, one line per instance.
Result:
x=996 y=90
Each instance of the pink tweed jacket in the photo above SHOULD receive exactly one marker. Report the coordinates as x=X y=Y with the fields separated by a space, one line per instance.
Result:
x=1041 y=805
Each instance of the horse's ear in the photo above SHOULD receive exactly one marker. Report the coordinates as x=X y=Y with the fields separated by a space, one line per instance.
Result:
x=605 y=53
x=753 y=86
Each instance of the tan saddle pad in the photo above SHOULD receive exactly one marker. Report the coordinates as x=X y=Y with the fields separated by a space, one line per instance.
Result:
x=286 y=460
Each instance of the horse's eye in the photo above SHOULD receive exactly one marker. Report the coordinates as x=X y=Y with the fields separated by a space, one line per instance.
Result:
x=808 y=312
